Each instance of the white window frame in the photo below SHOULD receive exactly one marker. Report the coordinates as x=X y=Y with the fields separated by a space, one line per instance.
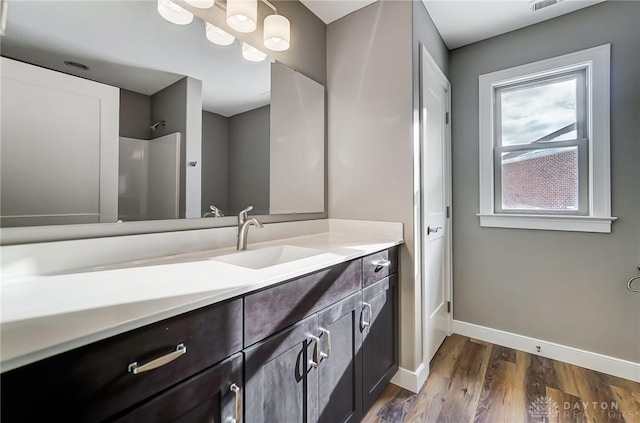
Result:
x=598 y=218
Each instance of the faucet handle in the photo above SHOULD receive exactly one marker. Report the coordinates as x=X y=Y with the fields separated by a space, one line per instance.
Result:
x=242 y=216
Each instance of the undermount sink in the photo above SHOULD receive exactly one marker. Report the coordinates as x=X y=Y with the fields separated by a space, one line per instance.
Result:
x=267 y=257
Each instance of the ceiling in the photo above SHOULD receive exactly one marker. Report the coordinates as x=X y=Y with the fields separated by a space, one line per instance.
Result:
x=128 y=44
x=462 y=22
x=331 y=10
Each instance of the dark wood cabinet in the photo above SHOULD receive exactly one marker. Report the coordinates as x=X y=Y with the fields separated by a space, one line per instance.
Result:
x=379 y=265
x=211 y=396
x=92 y=383
x=380 y=338
x=281 y=376
x=340 y=374
x=275 y=308
x=318 y=348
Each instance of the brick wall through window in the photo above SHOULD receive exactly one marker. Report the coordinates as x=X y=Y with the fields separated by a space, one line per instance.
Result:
x=547 y=182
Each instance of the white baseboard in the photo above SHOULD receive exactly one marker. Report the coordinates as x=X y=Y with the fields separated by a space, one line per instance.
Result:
x=411 y=381
x=590 y=360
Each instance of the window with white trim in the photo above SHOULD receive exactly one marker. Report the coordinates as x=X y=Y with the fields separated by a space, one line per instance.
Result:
x=544 y=144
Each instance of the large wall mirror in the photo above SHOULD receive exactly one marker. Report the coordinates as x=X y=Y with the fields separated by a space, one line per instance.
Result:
x=112 y=114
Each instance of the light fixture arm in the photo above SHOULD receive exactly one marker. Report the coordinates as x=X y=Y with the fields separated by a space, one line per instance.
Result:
x=267 y=2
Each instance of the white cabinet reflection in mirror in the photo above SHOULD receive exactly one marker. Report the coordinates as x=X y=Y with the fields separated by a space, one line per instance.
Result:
x=59 y=161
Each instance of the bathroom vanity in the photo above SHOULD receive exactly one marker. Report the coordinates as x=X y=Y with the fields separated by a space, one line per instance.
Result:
x=320 y=345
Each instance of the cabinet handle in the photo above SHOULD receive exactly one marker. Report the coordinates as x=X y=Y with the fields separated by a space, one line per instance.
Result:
x=158 y=362
x=328 y=353
x=382 y=263
x=236 y=390
x=367 y=323
x=629 y=287
x=317 y=354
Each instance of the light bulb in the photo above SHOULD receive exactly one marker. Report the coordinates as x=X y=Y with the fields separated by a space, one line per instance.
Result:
x=252 y=54
x=277 y=32
x=218 y=36
x=242 y=15
x=202 y=4
x=174 y=13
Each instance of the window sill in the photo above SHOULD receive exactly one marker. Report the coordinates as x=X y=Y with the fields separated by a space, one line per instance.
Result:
x=547 y=222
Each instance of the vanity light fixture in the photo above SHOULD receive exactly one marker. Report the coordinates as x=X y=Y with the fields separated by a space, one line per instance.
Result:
x=201 y=4
x=218 y=36
x=252 y=54
x=277 y=32
x=174 y=13
x=242 y=15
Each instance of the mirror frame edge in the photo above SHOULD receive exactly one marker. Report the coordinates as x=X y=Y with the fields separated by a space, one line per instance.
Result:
x=52 y=233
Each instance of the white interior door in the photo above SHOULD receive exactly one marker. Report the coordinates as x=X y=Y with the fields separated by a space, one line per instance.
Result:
x=435 y=230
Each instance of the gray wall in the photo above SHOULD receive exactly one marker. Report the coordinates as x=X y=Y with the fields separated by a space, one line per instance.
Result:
x=297 y=147
x=562 y=287
x=170 y=105
x=180 y=106
x=135 y=115
x=215 y=157
x=370 y=112
x=426 y=33
x=249 y=161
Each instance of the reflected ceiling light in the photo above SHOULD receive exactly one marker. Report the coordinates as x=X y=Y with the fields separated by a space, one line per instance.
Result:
x=218 y=36
x=201 y=4
x=277 y=32
x=242 y=15
x=174 y=13
x=252 y=54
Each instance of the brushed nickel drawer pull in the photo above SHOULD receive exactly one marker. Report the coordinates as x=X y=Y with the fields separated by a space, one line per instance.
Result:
x=382 y=263
x=363 y=323
x=629 y=287
x=328 y=353
x=236 y=390
x=158 y=362
x=315 y=362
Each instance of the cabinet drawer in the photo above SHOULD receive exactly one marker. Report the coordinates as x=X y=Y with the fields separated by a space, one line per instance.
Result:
x=205 y=397
x=273 y=309
x=379 y=265
x=93 y=382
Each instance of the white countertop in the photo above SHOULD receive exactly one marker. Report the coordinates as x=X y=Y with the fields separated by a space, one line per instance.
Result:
x=45 y=315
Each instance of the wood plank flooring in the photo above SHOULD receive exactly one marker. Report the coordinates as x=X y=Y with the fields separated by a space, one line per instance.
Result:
x=475 y=381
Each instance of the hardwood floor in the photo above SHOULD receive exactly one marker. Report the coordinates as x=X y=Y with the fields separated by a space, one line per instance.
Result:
x=474 y=381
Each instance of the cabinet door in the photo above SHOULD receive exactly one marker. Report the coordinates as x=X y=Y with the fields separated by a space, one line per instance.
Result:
x=340 y=371
x=380 y=343
x=208 y=397
x=280 y=379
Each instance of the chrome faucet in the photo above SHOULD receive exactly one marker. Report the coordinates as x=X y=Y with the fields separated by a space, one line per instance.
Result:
x=215 y=212
x=243 y=227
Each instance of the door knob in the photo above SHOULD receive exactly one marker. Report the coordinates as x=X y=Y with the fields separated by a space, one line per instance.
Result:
x=434 y=230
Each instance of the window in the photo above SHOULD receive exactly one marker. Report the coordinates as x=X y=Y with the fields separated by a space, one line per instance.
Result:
x=544 y=144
